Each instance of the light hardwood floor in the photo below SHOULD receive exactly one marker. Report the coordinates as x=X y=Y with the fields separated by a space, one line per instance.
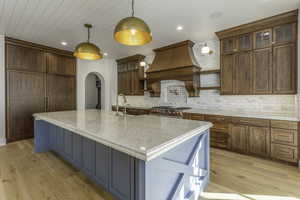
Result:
x=25 y=175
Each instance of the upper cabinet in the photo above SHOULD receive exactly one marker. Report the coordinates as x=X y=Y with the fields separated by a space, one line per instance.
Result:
x=131 y=75
x=228 y=45
x=263 y=39
x=61 y=65
x=285 y=33
x=24 y=58
x=260 y=57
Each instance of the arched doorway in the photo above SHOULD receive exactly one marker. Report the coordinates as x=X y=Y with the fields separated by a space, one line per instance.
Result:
x=94 y=91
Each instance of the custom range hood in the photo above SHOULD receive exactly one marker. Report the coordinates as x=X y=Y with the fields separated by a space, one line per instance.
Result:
x=174 y=62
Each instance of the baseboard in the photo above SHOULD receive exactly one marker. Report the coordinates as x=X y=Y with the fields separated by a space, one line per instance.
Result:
x=2 y=142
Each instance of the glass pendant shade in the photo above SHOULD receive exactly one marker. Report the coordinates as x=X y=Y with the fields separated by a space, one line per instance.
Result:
x=87 y=50
x=132 y=31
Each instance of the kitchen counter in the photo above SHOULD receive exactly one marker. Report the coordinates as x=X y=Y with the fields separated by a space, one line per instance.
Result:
x=133 y=157
x=144 y=137
x=260 y=115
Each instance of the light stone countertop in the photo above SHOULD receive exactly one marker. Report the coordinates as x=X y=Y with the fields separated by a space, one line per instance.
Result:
x=260 y=115
x=144 y=137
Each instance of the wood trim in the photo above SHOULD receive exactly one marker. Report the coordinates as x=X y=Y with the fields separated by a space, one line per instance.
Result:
x=137 y=57
x=213 y=71
x=172 y=46
x=9 y=40
x=210 y=88
x=284 y=18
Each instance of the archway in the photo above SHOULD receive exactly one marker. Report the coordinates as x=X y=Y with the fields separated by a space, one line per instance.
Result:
x=94 y=91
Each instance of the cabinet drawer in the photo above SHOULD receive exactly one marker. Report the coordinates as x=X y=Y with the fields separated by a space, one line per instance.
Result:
x=220 y=127
x=251 y=121
x=219 y=140
x=196 y=117
x=215 y=118
x=284 y=124
x=283 y=152
x=284 y=136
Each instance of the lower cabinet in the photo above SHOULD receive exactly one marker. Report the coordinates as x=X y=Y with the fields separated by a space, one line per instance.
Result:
x=111 y=169
x=77 y=151
x=68 y=144
x=250 y=139
x=284 y=152
x=122 y=174
x=259 y=141
x=239 y=138
x=89 y=157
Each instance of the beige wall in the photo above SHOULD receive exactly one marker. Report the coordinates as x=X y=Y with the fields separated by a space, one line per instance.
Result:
x=2 y=92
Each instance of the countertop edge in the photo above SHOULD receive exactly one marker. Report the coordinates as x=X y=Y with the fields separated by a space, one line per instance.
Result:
x=148 y=155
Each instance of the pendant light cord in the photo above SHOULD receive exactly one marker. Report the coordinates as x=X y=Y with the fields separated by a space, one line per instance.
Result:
x=132 y=8
x=88 y=34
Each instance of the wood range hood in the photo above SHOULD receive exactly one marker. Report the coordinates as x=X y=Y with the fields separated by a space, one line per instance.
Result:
x=174 y=62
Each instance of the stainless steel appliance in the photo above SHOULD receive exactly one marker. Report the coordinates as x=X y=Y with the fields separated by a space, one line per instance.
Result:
x=169 y=111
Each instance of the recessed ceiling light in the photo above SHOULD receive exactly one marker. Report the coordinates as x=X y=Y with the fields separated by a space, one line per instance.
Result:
x=105 y=54
x=64 y=43
x=179 y=28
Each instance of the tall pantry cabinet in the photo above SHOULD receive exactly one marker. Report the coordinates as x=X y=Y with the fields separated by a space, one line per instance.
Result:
x=38 y=79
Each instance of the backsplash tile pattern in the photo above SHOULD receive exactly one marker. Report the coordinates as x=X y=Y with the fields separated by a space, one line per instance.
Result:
x=211 y=99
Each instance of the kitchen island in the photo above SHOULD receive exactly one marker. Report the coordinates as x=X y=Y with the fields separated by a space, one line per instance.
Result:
x=133 y=157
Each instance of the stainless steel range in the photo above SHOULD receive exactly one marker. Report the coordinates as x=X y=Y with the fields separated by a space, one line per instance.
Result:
x=168 y=111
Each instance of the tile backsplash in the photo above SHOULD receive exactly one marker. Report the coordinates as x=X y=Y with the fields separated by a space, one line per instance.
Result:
x=173 y=92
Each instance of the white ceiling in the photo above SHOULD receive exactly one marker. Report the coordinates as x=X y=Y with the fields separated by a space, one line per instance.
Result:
x=51 y=21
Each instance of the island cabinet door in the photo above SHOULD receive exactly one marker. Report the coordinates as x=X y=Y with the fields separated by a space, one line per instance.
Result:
x=89 y=157
x=52 y=137
x=102 y=164
x=60 y=141
x=122 y=175
x=77 y=150
x=68 y=146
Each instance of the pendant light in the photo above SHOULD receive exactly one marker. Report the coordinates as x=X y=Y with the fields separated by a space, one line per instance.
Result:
x=206 y=50
x=87 y=50
x=132 y=31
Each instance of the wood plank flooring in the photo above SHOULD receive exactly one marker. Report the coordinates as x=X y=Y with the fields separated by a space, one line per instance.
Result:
x=25 y=175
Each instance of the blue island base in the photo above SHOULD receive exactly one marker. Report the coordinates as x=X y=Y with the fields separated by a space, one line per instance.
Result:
x=181 y=173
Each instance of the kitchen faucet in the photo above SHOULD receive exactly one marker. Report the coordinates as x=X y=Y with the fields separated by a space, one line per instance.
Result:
x=125 y=104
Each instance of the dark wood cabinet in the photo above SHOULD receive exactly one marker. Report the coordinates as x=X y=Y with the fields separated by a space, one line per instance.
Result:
x=62 y=65
x=61 y=93
x=284 y=69
x=24 y=59
x=229 y=45
x=259 y=141
x=227 y=72
x=285 y=33
x=25 y=96
x=131 y=75
x=262 y=71
x=239 y=138
x=243 y=73
x=262 y=55
x=251 y=136
x=30 y=89
x=263 y=39
x=245 y=42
